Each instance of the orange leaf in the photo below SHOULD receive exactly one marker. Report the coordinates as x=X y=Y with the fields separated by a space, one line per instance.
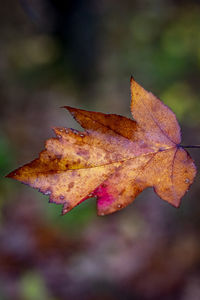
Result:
x=114 y=159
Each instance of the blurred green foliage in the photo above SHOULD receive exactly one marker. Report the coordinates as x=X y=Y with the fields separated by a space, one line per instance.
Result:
x=77 y=219
x=33 y=287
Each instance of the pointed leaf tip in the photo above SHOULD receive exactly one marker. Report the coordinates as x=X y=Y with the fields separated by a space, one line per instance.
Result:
x=69 y=108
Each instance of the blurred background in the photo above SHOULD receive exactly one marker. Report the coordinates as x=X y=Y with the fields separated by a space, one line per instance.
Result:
x=81 y=53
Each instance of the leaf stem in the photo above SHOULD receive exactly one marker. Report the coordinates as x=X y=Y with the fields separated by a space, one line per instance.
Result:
x=190 y=146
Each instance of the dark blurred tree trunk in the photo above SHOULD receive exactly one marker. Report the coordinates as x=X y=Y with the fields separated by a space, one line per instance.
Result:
x=74 y=23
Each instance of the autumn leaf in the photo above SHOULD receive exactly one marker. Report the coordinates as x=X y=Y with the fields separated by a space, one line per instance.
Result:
x=114 y=159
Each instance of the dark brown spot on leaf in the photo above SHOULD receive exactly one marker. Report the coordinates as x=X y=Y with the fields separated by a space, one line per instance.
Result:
x=70 y=185
x=122 y=191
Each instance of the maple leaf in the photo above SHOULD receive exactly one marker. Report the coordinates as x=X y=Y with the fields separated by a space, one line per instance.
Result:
x=114 y=159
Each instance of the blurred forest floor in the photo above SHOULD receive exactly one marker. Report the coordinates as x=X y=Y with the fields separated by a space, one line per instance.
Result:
x=82 y=54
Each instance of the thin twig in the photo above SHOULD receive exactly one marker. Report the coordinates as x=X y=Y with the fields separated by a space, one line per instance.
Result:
x=190 y=146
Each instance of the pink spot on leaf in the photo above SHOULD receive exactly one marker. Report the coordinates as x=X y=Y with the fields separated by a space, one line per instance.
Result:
x=105 y=198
